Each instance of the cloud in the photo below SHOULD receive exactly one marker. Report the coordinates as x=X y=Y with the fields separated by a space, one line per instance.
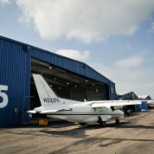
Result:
x=153 y=26
x=130 y=63
x=129 y=75
x=5 y=1
x=124 y=66
x=74 y=54
x=88 y=20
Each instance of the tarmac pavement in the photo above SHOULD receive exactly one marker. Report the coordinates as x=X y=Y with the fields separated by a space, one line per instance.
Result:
x=134 y=135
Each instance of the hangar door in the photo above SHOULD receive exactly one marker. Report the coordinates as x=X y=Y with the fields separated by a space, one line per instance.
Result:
x=66 y=84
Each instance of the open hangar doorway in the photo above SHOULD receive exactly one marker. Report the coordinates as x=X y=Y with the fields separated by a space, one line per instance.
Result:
x=66 y=84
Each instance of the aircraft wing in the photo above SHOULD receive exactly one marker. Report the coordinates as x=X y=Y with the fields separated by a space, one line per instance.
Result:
x=115 y=103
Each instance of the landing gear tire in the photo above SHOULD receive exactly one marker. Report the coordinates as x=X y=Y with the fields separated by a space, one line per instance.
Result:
x=102 y=123
x=117 y=121
x=83 y=125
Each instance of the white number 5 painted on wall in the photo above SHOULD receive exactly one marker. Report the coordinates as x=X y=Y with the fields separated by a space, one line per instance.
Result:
x=4 y=96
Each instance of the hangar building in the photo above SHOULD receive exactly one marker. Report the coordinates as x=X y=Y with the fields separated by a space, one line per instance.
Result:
x=127 y=96
x=69 y=79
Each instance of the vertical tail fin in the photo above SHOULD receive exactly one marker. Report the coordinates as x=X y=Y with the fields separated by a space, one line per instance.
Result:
x=46 y=94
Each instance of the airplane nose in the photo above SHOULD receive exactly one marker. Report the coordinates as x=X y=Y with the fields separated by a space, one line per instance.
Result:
x=151 y=101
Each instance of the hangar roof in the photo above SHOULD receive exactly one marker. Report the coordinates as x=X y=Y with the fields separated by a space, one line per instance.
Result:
x=134 y=96
x=127 y=95
x=144 y=97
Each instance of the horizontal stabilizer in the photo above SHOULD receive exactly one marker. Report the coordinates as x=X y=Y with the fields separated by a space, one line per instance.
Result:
x=32 y=111
x=48 y=111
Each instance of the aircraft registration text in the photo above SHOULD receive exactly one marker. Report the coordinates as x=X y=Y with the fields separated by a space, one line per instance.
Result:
x=51 y=100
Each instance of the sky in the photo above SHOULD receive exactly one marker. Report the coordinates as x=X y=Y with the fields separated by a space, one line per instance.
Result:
x=115 y=37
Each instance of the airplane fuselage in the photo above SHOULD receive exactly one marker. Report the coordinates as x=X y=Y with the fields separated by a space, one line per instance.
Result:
x=88 y=117
x=83 y=113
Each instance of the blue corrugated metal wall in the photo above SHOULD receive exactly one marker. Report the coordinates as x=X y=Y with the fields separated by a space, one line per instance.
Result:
x=144 y=106
x=15 y=62
x=14 y=73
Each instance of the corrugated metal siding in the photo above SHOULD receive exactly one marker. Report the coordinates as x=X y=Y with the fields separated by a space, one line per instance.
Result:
x=144 y=106
x=15 y=73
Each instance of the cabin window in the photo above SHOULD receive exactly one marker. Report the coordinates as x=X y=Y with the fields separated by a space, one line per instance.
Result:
x=100 y=109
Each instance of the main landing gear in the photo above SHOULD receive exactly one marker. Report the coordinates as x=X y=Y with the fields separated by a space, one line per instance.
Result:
x=83 y=125
x=117 y=121
x=102 y=123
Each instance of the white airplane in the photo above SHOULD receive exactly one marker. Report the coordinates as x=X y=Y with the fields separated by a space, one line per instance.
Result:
x=75 y=111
